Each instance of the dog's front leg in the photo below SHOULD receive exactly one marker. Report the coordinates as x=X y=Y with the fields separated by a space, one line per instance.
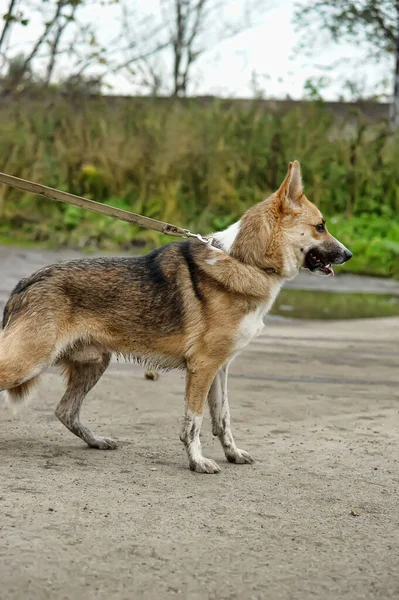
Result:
x=220 y=413
x=199 y=379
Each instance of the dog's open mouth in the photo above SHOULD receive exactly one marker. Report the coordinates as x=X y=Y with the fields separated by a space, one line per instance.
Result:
x=315 y=262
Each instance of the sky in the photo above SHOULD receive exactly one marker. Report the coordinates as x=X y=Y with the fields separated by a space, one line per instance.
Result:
x=267 y=54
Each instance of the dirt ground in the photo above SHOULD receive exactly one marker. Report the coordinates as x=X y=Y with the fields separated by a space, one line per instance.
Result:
x=316 y=516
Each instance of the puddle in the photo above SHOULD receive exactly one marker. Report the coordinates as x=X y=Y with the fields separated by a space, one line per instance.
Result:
x=306 y=304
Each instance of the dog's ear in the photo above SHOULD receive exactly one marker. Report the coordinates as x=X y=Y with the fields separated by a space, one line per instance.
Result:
x=291 y=190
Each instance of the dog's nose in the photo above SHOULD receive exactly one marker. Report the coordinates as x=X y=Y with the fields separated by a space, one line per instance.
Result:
x=348 y=254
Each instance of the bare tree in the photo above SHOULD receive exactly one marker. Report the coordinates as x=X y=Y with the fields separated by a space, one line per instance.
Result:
x=8 y=18
x=372 y=23
x=13 y=15
x=55 y=40
x=48 y=26
x=157 y=51
x=183 y=32
x=20 y=65
x=189 y=20
x=142 y=39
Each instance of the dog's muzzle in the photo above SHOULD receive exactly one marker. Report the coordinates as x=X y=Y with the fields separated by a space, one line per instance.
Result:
x=319 y=260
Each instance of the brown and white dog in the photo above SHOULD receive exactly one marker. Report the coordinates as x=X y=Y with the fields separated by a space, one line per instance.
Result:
x=186 y=305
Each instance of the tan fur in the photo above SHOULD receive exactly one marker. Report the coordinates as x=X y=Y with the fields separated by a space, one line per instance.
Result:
x=183 y=307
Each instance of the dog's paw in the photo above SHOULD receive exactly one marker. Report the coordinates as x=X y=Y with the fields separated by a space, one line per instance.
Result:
x=239 y=457
x=205 y=465
x=103 y=443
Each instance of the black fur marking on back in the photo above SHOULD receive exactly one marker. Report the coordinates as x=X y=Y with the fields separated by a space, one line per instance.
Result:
x=142 y=291
x=154 y=265
x=5 y=315
x=185 y=249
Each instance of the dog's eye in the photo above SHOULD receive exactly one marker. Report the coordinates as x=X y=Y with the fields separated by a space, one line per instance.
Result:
x=320 y=227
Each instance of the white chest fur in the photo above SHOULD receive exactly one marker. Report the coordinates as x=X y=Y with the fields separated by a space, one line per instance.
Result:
x=252 y=323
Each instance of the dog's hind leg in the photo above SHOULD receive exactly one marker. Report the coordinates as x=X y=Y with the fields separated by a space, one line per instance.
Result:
x=220 y=414
x=82 y=375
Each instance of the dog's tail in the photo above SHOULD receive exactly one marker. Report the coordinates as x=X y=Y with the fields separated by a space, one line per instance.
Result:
x=26 y=344
x=22 y=360
x=20 y=392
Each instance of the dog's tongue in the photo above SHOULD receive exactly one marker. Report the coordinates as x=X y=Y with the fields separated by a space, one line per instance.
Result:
x=329 y=269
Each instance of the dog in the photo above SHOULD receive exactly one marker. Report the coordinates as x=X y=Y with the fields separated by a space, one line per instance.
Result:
x=187 y=305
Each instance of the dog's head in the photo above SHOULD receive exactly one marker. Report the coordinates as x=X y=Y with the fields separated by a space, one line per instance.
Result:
x=308 y=243
x=286 y=233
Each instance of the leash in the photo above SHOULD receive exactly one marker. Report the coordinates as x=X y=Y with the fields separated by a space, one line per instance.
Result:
x=102 y=209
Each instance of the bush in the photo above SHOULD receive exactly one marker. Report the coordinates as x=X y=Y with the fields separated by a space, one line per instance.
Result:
x=196 y=166
x=374 y=241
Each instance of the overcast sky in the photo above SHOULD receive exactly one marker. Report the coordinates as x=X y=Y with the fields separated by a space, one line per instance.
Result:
x=269 y=50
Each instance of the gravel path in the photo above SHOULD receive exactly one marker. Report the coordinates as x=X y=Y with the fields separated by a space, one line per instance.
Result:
x=316 y=516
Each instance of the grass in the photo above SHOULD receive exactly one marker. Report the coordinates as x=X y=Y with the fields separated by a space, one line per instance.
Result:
x=374 y=241
x=198 y=167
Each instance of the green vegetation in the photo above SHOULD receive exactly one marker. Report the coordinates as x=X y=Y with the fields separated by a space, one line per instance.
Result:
x=374 y=241
x=196 y=166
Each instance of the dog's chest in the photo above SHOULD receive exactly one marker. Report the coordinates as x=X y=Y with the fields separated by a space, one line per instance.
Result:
x=252 y=324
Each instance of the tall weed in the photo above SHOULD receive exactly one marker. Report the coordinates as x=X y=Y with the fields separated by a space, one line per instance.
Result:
x=196 y=166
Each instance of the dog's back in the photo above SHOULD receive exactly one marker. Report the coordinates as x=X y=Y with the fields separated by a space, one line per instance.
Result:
x=88 y=300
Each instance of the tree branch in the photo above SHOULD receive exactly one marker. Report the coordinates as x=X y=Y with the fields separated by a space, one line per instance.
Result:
x=48 y=27
x=8 y=18
x=54 y=45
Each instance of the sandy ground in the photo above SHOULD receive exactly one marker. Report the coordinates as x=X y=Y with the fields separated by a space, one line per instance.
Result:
x=317 y=515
